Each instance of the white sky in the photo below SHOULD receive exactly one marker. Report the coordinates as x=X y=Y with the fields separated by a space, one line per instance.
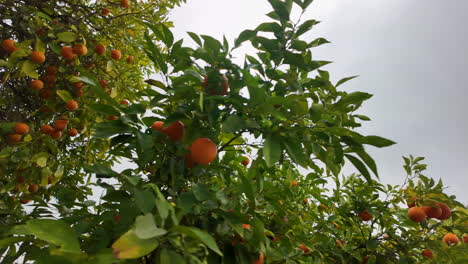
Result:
x=410 y=55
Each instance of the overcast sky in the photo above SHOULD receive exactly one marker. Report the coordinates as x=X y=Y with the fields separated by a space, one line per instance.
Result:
x=410 y=54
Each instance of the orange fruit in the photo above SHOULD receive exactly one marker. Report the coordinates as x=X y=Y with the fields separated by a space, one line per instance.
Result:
x=77 y=85
x=60 y=125
x=103 y=83
x=50 y=179
x=339 y=243
x=294 y=183
x=245 y=161
x=21 y=128
x=203 y=151
x=37 y=85
x=67 y=53
x=71 y=105
x=465 y=238
x=13 y=139
x=21 y=179
x=125 y=3
x=100 y=49
x=112 y=117
x=189 y=162
x=175 y=131
x=79 y=92
x=8 y=45
x=72 y=132
x=446 y=212
x=304 y=248
x=427 y=253
x=56 y=134
x=105 y=12
x=80 y=49
x=220 y=86
x=416 y=214
x=432 y=211
x=33 y=188
x=130 y=59
x=115 y=54
x=37 y=57
x=52 y=70
x=450 y=239
x=124 y=102
x=260 y=259
x=246 y=226
x=25 y=201
x=365 y=215
x=158 y=125
x=45 y=94
x=46 y=129
x=365 y=260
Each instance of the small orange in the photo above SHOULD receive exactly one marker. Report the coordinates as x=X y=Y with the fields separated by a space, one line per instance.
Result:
x=21 y=128
x=158 y=125
x=304 y=248
x=203 y=151
x=416 y=214
x=446 y=212
x=100 y=49
x=427 y=253
x=246 y=226
x=37 y=85
x=432 y=211
x=52 y=70
x=115 y=54
x=50 y=179
x=112 y=117
x=220 y=86
x=294 y=183
x=175 y=131
x=46 y=129
x=56 y=134
x=60 y=125
x=80 y=49
x=103 y=83
x=25 y=201
x=245 y=161
x=77 y=85
x=365 y=260
x=67 y=53
x=45 y=94
x=124 y=102
x=72 y=132
x=13 y=139
x=465 y=238
x=37 y=57
x=79 y=92
x=130 y=59
x=21 y=179
x=260 y=259
x=105 y=12
x=8 y=45
x=339 y=243
x=125 y=3
x=71 y=105
x=450 y=239
x=33 y=188
x=365 y=215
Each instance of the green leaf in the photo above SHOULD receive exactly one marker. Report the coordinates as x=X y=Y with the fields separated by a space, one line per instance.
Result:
x=100 y=170
x=269 y=27
x=156 y=83
x=233 y=124
x=64 y=95
x=6 y=242
x=167 y=256
x=376 y=141
x=198 y=234
x=39 y=45
x=244 y=36
x=340 y=82
x=317 y=42
x=295 y=151
x=129 y=246
x=29 y=68
x=306 y=26
x=107 y=129
x=41 y=162
x=360 y=166
x=145 y=227
x=145 y=200
x=67 y=36
x=271 y=150
x=368 y=161
x=354 y=98
x=104 y=108
x=55 y=232
x=280 y=9
x=195 y=38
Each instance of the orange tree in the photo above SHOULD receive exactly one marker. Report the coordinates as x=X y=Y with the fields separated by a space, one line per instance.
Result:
x=236 y=164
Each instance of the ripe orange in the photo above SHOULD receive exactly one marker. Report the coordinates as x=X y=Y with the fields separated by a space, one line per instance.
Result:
x=304 y=248
x=365 y=215
x=60 y=125
x=78 y=85
x=25 y=201
x=37 y=57
x=50 y=179
x=158 y=125
x=105 y=12
x=294 y=183
x=416 y=214
x=33 y=188
x=72 y=132
x=339 y=243
x=56 y=134
x=125 y=3
x=216 y=87
x=432 y=211
x=71 y=105
x=175 y=131
x=203 y=151
x=37 y=85
x=427 y=253
x=67 y=53
x=246 y=226
x=276 y=238
x=465 y=238
x=80 y=49
x=112 y=117
x=124 y=102
x=450 y=239
x=8 y=45
x=130 y=59
x=100 y=49
x=52 y=70
x=13 y=139
x=115 y=54
x=260 y=259
x=21 y=128
x=79 y=92
x=46 y=129
x=446 y=212
x=103 y=83
x=245 y=161
x=45 y=94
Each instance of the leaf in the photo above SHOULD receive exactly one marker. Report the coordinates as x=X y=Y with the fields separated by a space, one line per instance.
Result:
x=295 y=151
x=156 y=83
x=29 y=68
x=198 y=234
x=67 y=36
x=39 y=45
x=280 y=9
x=65 y=95
x=41 y=162
x=306 y=26
x=6 y=242
x=360 y=166
x=107 y=129
x=145 y=227
x=104 y=108
x=376 y=141
x=233 y=124
x=55 y=232
x=244 y=36
x=271 y=150
x=167 y=256
x=354 y=98
x=340 y=82
x=368 y=161
x=269 y=27
x=195 y=38
x=129 y=246
x=101 y=171
x=317 y=42
x=145 y=200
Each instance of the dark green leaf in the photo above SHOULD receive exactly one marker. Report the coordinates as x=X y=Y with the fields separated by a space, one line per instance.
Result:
x=376 y=141
x=244 y=36
x=233 y=124
x=360 y=166
x=145 y=200
x=271 y=150
x=55 y=232
x=200 y=235
x=306 y=26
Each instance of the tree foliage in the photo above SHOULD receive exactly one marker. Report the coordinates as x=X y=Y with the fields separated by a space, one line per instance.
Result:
x=270 y=137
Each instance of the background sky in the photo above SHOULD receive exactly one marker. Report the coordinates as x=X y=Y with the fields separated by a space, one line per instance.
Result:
x=410 y=54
